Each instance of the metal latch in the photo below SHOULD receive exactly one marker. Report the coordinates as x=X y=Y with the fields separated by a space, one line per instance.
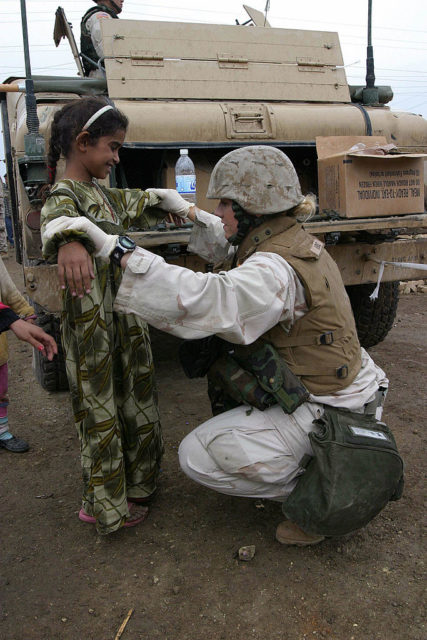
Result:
x=226 y=61
x=311 y=64
x=42 y=286
x=249 y=120
x=147 y=58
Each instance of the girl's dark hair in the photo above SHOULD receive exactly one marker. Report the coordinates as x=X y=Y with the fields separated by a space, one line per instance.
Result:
x=69 y=122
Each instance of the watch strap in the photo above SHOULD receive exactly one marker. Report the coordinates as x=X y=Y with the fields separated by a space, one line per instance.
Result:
x=119 y=250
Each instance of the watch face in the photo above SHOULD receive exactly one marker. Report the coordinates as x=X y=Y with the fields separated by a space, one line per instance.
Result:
x=126 y=243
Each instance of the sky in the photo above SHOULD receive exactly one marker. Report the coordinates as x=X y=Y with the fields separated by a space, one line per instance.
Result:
x=399 y=36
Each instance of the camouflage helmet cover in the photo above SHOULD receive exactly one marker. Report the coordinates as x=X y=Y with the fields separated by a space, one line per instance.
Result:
x=261 y=179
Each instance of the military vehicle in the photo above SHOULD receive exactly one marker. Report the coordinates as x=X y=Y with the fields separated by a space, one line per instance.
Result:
x=211 y=88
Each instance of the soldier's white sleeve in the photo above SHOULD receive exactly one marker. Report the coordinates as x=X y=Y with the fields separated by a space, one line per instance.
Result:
x=238 y=305
x=208 y=239
x=94 y=28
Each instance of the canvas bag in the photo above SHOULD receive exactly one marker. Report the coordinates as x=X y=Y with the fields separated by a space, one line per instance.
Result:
x=354 y=472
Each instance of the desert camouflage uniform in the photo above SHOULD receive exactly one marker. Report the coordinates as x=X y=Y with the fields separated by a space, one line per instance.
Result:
x=91 y=37
x=243 y=451
x=109 y=361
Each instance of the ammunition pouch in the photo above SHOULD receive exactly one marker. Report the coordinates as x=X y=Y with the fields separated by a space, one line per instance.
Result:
x=231 y=386
x=355 y=470
x=255 y=375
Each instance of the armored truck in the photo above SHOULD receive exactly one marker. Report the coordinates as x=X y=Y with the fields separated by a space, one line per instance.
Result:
x=212 y=88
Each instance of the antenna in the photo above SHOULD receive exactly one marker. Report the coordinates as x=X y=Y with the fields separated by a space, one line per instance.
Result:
x=267 y=8
x=370 y=92
x=32 y=165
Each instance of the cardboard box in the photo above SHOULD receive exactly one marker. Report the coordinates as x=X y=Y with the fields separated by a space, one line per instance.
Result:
x=368 y=185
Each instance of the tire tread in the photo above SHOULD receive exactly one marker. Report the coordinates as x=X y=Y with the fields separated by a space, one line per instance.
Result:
x=374 y=319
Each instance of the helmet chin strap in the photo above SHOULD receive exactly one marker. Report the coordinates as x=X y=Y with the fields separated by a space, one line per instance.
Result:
x=115 y=6
x=245 y=222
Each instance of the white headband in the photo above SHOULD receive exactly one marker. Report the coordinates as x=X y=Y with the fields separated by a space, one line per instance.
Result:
x=96 y=115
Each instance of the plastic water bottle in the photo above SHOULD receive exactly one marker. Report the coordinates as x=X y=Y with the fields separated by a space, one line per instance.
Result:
x=185 y=177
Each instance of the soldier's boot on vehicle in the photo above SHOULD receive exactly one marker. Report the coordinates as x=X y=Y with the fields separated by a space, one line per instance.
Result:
x=290 y=533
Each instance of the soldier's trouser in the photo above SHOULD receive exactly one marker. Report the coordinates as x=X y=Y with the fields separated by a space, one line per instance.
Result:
x=110 y=371
x=255 y=455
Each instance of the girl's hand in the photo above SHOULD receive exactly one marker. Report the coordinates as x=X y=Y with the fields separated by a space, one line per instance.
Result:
x=35 y=336
x=75 y=268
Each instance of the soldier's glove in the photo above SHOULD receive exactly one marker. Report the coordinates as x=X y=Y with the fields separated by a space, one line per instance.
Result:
x=103 y=242
x=172 y=202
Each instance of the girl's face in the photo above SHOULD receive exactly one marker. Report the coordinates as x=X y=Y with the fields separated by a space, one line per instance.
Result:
x=225 y=211
x=99 y=158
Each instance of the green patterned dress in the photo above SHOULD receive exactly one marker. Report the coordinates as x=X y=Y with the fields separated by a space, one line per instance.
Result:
x=108 y=359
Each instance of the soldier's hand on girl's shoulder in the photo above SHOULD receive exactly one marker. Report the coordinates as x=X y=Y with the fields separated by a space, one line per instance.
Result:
x=75 y=269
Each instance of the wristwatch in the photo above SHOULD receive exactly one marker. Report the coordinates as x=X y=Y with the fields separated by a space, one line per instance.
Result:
x=124 y=245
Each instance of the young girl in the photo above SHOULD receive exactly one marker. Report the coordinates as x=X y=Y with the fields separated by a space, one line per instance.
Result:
x=108 y=356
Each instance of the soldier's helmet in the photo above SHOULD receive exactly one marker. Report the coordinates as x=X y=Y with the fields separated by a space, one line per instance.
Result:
x=117 y=7
x=261 y=179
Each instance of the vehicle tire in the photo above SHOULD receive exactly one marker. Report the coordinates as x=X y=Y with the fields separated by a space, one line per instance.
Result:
x=374 y=319
x=52 y=375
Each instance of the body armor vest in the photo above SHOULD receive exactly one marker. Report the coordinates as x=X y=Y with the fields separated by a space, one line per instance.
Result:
x=322 y=347
x=86 y=45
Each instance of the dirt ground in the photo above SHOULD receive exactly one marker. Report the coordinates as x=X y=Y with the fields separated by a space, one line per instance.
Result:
x=178 y=571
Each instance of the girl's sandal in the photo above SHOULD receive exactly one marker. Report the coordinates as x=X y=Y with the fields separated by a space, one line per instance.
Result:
x=137 y=514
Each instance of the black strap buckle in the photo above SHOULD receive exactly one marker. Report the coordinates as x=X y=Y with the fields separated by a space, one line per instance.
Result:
x=342 y=372
x=326 y=338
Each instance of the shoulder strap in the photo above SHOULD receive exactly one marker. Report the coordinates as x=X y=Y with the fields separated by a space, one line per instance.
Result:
x=90 y=13
x=99 y=7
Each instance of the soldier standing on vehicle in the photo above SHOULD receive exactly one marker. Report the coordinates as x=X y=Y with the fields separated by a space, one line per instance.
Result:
x=289 y=353
x=90 y=34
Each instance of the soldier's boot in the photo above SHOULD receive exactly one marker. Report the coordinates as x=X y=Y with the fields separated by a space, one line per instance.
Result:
x=290 y=533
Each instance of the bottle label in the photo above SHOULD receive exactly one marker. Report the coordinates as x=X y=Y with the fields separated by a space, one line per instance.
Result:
x=186 y=184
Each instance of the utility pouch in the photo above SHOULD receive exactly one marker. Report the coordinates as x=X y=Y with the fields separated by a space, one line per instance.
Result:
x=237 y=386
x=273 y=375
x=355 y=470
x=256 y=375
